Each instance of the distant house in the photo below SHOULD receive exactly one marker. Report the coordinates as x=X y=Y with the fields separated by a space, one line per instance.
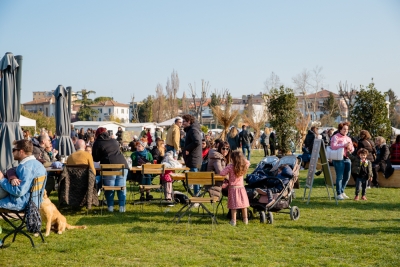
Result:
x=111 y=126
x=45 y=105
x=111 y=109
x=307 y=103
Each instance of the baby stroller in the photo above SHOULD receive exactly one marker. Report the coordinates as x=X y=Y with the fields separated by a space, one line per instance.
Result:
x=262 y=170
x=281 y=194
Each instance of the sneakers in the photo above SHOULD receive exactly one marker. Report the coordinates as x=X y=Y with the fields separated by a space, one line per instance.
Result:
x=318 y=173
x=345 y=196
x=110 y=209
x=340 y=197
x=196 y=205
x=363 y=198
x=246 y=221
x=356 y=198
x=149 y=197
x=122 y=209
x=233 y=223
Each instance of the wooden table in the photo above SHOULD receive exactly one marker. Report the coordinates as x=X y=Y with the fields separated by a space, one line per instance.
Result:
x=181 y=177
x=139 y=169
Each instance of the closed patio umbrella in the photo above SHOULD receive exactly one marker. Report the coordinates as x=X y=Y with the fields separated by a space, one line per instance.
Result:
x=9 y=109
x=63 y=122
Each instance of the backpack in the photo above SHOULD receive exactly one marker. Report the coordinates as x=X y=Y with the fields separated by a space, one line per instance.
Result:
x=33 y=219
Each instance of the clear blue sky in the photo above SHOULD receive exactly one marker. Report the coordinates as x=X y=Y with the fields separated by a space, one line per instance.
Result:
x=120 y=48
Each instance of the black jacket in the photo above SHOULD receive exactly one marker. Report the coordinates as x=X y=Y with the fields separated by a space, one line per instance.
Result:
x=193 y=145
x=106 y=150
x=245 y=138
x=309 y=141
x=119 y=136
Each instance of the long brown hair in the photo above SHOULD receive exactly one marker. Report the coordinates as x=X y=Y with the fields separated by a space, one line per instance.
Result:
x=239 y=163
x=160 y=147
x=228 y=156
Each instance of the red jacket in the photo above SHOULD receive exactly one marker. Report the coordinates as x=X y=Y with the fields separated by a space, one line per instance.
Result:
x=395 y=154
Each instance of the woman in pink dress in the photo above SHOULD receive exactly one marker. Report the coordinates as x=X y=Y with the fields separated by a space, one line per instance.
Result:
x=237 y=196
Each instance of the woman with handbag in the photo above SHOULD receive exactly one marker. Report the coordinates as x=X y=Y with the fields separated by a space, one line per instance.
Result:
x=342 y=166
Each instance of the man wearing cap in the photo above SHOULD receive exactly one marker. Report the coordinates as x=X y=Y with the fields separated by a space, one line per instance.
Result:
x=28 y=169
x=174 y=136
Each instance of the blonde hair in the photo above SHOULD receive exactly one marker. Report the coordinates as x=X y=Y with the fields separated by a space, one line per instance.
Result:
x=266 y=130
x=381 y=139
x=160 y=147
x=233 y=132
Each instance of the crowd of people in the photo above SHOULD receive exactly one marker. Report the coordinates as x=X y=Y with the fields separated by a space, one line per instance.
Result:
x=362 y=157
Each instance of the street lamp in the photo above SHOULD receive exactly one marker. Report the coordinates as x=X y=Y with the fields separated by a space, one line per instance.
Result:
x=387 y=102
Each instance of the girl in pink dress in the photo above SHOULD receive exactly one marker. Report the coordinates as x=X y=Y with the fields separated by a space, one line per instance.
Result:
x=237 y=196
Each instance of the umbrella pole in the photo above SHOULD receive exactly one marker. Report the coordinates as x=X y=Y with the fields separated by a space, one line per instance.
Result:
x=19 y=59
x=69 y=88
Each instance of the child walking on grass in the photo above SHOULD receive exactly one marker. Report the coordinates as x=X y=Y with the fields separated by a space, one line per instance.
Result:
x=361 y=169
x=237 y=196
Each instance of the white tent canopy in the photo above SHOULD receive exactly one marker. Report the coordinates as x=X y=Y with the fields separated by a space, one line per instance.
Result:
x=168 y=122
x=24 y=121
x=395 y=131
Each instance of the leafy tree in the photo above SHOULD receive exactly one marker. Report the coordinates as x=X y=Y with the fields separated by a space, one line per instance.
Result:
x=86 y=112
x=370 y=112
x=146 y=110
x=102 y=99
x=42 y=121
x=282 y=115
x=331 y=110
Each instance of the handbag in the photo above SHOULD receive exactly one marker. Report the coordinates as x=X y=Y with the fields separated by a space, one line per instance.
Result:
x=334 y=154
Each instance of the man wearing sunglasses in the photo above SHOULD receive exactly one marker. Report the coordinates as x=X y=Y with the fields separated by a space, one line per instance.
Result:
x=28 y=169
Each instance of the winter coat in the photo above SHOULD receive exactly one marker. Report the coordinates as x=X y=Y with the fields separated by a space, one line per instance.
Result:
x=156 y=153
x=356 y=166
x=264 y=139
x=216 y=161
x=119 y=135
x=193 y=146
x=368 y=145
x=174 y=136
x=106 y=150
x=309 y=141
x=245 y=138
x=77 y=187
x=234 y=142
x=395 y=154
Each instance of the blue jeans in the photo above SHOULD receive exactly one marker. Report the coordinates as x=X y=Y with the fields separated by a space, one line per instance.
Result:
x=196 y=187
x=244 y=147
x=115 y=181
x=343 y=170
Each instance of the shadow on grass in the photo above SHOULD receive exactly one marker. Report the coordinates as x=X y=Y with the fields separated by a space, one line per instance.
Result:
x=344 y=230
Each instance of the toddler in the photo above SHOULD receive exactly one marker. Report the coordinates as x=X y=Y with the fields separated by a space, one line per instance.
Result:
x=237 y=196
x=361 y=170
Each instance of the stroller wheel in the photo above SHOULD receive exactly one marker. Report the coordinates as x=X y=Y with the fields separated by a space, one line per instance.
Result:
x=270 y=218
x=294 y=213
x=262 y=217
x=249 y=214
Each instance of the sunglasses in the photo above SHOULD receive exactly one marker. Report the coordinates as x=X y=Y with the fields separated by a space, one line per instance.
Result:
x=225 y=148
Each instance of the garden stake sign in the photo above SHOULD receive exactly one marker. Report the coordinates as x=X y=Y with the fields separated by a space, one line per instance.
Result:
x=318 y=149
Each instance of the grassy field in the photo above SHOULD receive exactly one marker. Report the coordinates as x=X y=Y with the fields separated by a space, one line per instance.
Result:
x=363 y=233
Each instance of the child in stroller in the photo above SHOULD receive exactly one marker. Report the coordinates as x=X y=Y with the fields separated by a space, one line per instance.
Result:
x=285 y=173
x=275 y=192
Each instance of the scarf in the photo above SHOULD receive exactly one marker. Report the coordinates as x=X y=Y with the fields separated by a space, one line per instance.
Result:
x=142 y=154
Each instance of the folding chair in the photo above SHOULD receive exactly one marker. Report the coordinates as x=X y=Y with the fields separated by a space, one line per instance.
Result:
x=200 y=199
x=15 y=217
x=111 y=170
x=150 y=169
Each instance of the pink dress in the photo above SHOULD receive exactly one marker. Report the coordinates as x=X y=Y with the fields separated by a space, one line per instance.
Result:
x=237 y=196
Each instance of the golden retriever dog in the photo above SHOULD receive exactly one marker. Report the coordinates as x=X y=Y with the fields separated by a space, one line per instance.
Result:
x=53 y=218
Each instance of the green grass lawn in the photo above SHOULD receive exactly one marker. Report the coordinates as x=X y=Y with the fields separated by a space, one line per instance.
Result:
x=363 y=233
